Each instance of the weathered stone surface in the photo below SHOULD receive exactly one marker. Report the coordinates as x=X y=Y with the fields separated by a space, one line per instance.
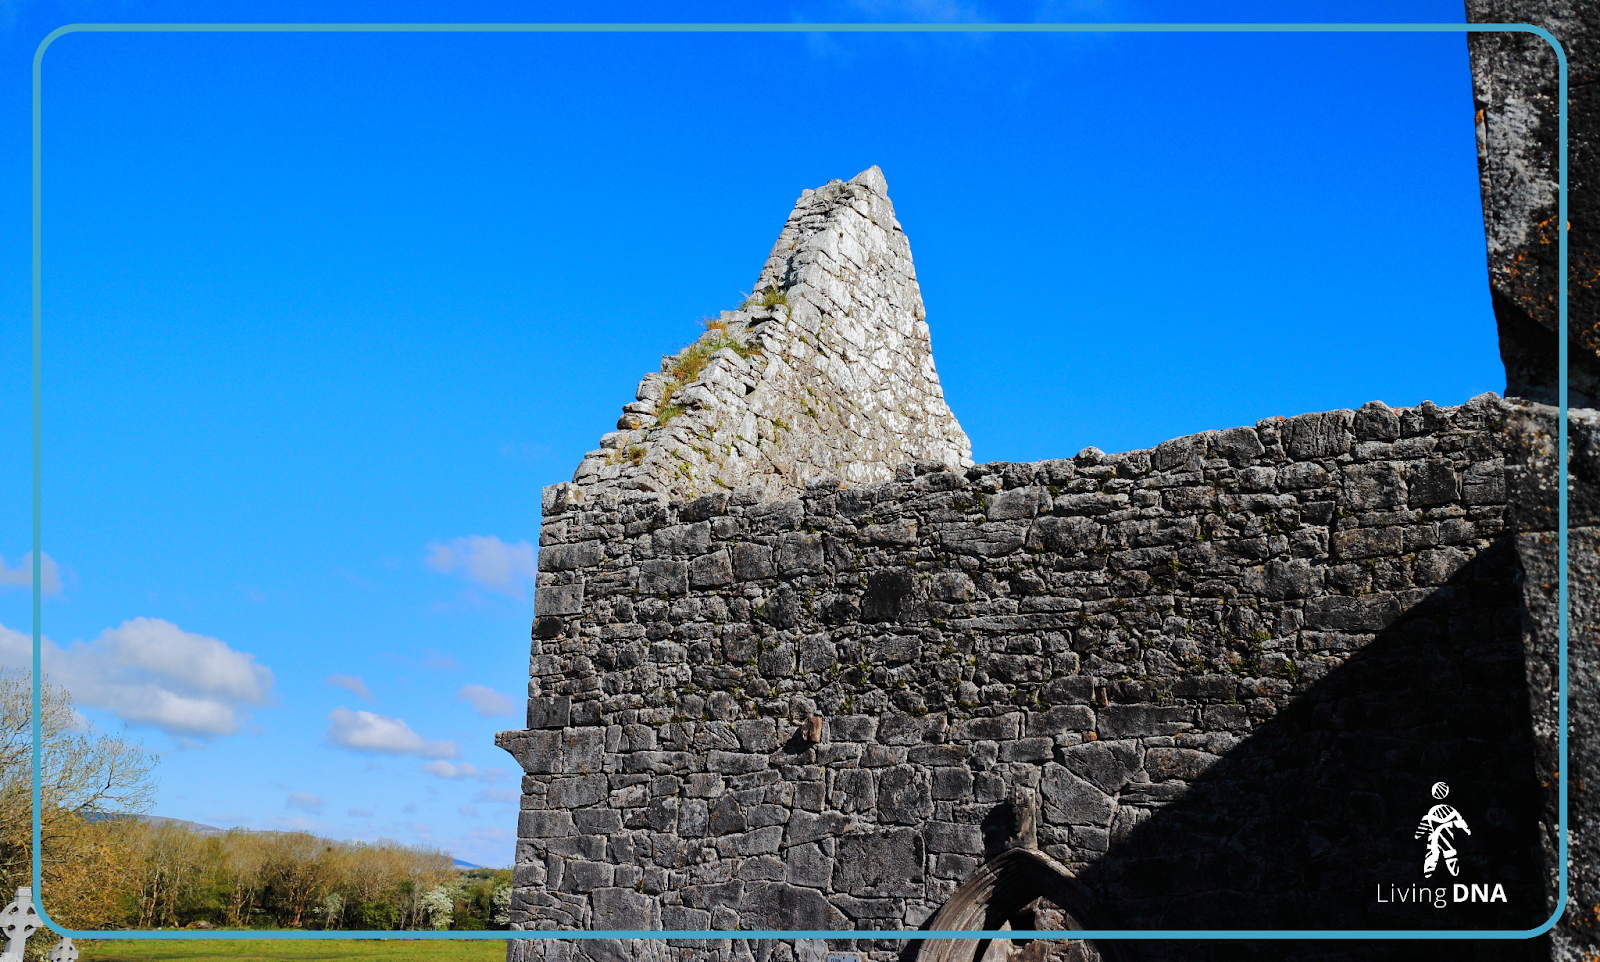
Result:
x=558 y=600
x=751 y=562
x=620 y=908
x=904 y=796
x=953 y=837
x=1107 y=765
x=781 y=906
x=1070 y=800
x=663 y=578
x=825 y=376
x=1518 y=121
x=711 y=570
x=1184 y=763
x=889 y=594
x=576 y=792
x=551 y=712
x=1214 y=663
x=1138 y=721
x=1323 y=435
x=1433 y=482
x=879 y=863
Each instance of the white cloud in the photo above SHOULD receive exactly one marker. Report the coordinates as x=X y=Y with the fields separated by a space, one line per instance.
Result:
x=487 y=561
x=305 y=801
x=448 y=770
x=468 y=811
x=486 y=701
x=147 y=671
x=364 y=731
x=291 y=823
x=22 y=575
x=438 y=661
x=497 y=796
x=464 y=770
x=359 y=813
x=350 y=683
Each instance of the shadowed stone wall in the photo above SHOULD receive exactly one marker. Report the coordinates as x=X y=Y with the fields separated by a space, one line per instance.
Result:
x=1230 y=667
x=1514 y=78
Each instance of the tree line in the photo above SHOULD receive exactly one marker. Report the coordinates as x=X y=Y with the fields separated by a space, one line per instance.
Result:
x=126 y=872
x=240 y=879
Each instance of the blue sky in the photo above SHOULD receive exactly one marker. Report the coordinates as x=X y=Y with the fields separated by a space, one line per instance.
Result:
x=323 y=313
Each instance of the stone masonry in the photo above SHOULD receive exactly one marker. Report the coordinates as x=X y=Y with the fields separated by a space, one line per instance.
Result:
x=1518 y=119
x=796 y=660
x=827 y=369
x=1514 y=81
x=1140 y=638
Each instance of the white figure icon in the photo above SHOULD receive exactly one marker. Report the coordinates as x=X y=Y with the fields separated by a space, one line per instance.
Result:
x=1437 y=825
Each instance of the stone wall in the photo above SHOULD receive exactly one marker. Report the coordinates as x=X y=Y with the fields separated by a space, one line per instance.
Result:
x=1229 y=667
x=1532 y=514
x=1514 y=79
x=1515 y=86
x=826 y=370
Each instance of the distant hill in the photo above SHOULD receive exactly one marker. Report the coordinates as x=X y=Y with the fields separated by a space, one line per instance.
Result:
x=194 y=827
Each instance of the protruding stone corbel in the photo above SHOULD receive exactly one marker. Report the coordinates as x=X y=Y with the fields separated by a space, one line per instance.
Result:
x=1024 y=829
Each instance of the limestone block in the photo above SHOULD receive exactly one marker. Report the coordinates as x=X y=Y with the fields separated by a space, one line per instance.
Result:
x=663 y=577
x=1322 y=435
x=620 y=908
x=777 y=905
x=558 y=599
x=711 y=570
x=878 y=864
x=1184 y=763
x=1070 y=800
x=1138 y=721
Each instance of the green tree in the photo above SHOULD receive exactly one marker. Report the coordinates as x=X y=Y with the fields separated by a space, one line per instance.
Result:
x=88 y=862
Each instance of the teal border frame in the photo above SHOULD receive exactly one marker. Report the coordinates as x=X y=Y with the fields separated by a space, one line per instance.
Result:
x=1363 y=934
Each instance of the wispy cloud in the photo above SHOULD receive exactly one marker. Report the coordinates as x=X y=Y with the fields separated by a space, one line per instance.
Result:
x=147 y=671
x=364 y=731
x=305 y=802
x=468 y=811
x=359 y=813
x=350 y=683
x=22 y=575
x=488 y=562
x=464 y=770
x=497 y=796
x=920 y=11
x=487 y=702
x=439 y=661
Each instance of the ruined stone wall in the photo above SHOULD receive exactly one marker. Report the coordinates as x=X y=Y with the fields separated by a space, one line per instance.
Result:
x=1230 y=667
x=1514 y=79
x=826 y=370
x=1515 y=88
x=1532 y=456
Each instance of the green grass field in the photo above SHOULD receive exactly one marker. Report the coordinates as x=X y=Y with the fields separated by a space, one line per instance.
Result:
x=292 y=950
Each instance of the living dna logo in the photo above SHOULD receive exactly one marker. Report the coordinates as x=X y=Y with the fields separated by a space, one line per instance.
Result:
x=1437 y=825
x=1437 y=830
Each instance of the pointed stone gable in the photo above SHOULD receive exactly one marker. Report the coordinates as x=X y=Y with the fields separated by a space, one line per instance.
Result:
x=825 y=374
